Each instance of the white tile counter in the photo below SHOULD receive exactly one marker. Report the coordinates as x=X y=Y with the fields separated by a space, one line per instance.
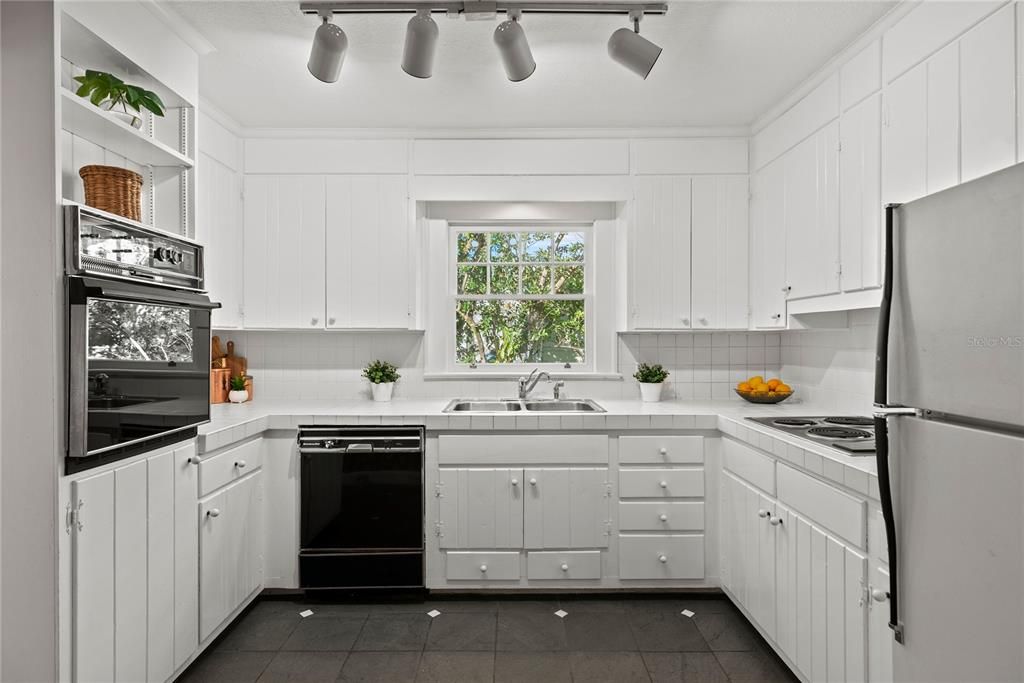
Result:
x=232 y=423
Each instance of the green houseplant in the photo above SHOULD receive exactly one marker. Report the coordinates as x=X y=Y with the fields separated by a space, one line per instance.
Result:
x=652 y=378
x=382 y=376
x=107 y=91
x=238 y=393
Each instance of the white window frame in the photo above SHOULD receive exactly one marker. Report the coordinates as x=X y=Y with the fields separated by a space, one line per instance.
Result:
x=452 y=297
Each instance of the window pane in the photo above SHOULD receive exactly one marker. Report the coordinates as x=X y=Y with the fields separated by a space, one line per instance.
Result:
x=569 y=246
x=504 y=247
x=472 y=246
x=536 y=280
x=504 y=279
x=520 y=332
x=569 y=280
x=536 y=246
x=472 y=280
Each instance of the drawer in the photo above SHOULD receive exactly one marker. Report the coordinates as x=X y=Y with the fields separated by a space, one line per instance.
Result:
x=748 y=464
x=228 y=466
x=662 y=483
x=656 y=450
x=518 y=449
x=482 y=566
x=661 y=557
x=661 y=516
x=585 y=564
x=824 y=505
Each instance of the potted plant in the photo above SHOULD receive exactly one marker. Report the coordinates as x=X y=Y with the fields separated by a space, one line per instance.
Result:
x=108 y=91
x=382 y=376
x=652 y=379
x=238 y=393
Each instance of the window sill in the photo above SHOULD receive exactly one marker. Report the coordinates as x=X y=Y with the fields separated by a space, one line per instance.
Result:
x=484 y=375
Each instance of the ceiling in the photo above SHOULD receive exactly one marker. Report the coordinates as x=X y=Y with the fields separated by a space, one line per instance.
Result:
x=724 y=63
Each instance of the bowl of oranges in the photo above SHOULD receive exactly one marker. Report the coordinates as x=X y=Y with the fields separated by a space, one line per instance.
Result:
x=757 y=390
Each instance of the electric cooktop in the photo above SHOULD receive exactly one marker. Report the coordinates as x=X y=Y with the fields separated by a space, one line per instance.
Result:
x=853 y=434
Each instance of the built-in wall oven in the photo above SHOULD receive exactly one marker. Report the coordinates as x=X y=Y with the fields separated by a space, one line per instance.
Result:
x=138 y=323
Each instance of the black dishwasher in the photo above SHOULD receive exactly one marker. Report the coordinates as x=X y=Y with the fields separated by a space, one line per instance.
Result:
x=361 y=507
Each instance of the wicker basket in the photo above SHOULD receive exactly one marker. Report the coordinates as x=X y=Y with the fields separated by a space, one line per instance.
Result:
x=113 y=189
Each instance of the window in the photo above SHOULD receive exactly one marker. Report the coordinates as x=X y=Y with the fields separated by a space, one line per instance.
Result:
x=521 y=295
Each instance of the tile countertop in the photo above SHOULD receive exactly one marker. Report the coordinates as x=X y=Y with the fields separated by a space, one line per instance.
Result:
x=231 y=423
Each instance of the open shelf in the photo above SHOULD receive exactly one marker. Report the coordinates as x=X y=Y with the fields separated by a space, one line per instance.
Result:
x=80 y=117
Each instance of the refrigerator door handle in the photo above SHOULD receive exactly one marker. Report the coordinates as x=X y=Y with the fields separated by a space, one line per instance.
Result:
x=896 y=411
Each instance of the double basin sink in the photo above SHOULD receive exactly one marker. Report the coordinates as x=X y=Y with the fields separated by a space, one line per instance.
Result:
x=512 y=405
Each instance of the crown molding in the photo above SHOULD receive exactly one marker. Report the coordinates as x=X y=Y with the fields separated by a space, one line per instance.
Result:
x=180 y=26
x=496 y=133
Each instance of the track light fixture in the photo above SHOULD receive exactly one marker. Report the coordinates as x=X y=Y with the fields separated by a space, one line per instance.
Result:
x=420 y=45
x=627 y=47
x=632 y=50
x=514 y=49
x=328 y=52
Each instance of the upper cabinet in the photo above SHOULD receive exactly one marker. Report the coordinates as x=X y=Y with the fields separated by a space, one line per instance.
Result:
x=768 y=247
x=688 y=253
x=860 y=203
x=219 y=222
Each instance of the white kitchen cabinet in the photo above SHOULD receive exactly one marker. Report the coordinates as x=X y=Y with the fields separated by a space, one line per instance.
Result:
x=219 y=221
x=860 y=201
x=943 y=119
x=230 y=550
x=880 y=636
x=750 y=548
x=133 y=587
x=905 y=137
x=660 y=253
x=368 y=248
x=988 y=95
x=768 y=247
x=811 y=196
x=285 y=263
x=661 y=557
x=480 y=507
x=719 y=243
x=566 y=507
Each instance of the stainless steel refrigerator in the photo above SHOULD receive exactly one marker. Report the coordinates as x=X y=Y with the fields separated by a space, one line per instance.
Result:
x=949 y=395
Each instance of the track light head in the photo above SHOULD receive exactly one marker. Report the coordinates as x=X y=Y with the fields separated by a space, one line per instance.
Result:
x=329 y=46
x=632 y=50
x=420 y=45
x=514 y=49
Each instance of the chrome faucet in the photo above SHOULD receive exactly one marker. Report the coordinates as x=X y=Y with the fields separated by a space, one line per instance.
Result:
x=559 y=385
x=526 y=384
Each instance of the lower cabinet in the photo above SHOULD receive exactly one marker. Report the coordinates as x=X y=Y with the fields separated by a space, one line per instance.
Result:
x=661 y=557
x=230 y=549
x=134 y=548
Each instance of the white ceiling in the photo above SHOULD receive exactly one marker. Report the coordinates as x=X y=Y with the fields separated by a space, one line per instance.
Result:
x=724 y=63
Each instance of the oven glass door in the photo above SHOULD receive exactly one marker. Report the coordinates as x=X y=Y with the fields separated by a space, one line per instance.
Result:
x=354 y=501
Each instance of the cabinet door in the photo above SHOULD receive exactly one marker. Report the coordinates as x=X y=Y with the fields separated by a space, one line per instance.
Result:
x=905 y=137
x=987 y=95
x=93 y=579
x=284 y=252
x=186 y=554
x=219 y=221
x=566 y=507
x=368 y=247
x=480 y=508
x=720 y=253
x=160 y=583
x=660 y=253
x=860 y=201
x=130 y=584
x=880 y=637
x=768 y=247
x=762 y=559
x=214 y=550
x=812 y=215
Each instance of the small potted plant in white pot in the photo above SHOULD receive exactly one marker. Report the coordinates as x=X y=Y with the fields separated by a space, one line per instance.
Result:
x=238 y=393
x=652 y=379
x=382 y=376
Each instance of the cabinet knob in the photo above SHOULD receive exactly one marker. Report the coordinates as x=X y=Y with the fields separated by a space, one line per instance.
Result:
x=787 y=289
x=663 y=484
x=193 y=460
x=776 y=316
x=330 y=321
x=213 y=512
x=662 y=558
x=775 y=521
x=703 y=321
x=240 y=464
x=483 y=568
x=663 y=451
x=663 y=517
x=686 y=321
x=762 y=513
x=879 y=595
x=533 y=481
x=314 y=321
x=515 y=482
x=565 y=567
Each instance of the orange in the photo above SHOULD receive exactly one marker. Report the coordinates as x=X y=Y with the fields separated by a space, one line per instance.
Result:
x=783 y=389
x=772 y=383
x=761 y=389
x=743 y=386
x=755 y=380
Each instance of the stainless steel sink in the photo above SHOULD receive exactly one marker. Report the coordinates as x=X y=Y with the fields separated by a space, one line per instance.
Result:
x=507 y=405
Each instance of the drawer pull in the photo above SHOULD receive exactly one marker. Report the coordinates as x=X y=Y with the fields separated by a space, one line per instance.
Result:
x=483 y=568
x=663 y=484
x=515 y=482
x=193 y=460
x=879 y=595
x=240 y=464
x=775 y=521
x=214 y=512
x=662 y=558
x=533 y=481
x=663 y=451
x=663 y=517
x=565 y=567
x=762 y=513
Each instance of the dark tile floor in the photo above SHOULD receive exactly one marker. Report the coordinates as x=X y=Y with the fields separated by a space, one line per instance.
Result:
x=634 y=639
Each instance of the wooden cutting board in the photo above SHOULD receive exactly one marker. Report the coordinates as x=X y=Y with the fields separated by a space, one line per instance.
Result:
x=238 y=365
